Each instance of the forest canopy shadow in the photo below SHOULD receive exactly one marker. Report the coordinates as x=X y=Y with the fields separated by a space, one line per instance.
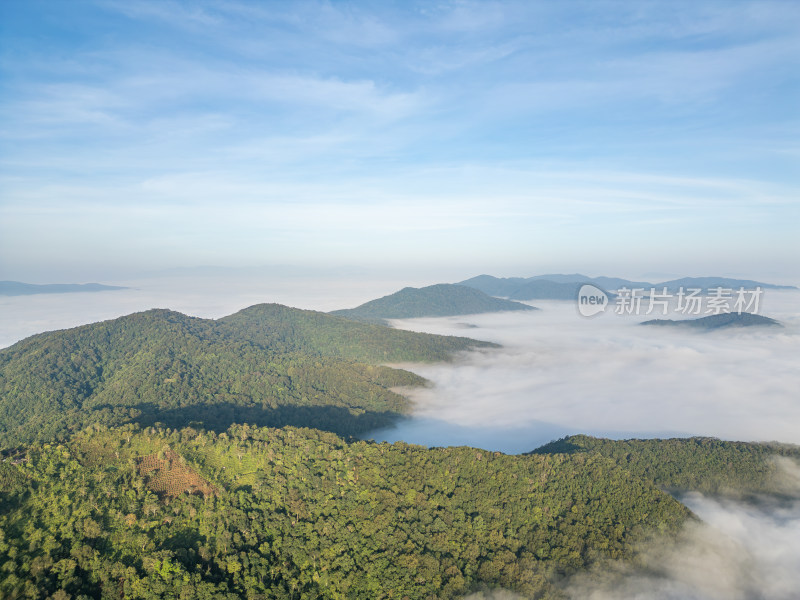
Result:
x=219 y=417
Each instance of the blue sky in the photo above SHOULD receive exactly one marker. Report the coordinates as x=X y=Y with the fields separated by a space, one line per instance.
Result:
x=506 y=137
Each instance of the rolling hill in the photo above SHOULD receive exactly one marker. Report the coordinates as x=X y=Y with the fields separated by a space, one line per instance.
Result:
x=707 y=465
x=105 y=491
x=268 y=365
x=282 y=513
x=299 y=513
x=720 y=321
x=315 y=333
x=440 y=300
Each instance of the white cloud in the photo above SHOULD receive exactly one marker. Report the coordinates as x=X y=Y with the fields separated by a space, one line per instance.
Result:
x=191 y=16
x=739 y=551
x=561 y=374
x=331 y=93
x=557 y=374
x=457 y=111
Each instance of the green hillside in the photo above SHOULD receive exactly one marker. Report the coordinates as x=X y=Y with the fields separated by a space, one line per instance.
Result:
x=298 y=513
x=106 y=493
x=264 y=365
x=699 y=464
x=440 y=300
x=316 y=333
x=720 y=321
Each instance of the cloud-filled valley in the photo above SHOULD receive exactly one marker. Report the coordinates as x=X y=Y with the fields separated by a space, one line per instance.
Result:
x=210 y=157
x=556 y=374
x=739 y=551
x=559 y=374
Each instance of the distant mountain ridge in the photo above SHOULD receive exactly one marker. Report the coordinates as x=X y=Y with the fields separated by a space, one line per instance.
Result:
x=440 y=300
x=565 y=287
x=720 y=321
x=18 y=288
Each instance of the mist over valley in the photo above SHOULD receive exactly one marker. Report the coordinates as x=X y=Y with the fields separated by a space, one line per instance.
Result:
x=464 y=300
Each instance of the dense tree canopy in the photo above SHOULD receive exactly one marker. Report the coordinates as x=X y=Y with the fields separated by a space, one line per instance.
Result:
x=290 y=329
x=706 y=465
x=299 y=513
x=142 y=459
x=269 y=365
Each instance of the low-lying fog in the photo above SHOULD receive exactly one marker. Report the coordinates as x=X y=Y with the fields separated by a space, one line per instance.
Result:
x=559 y=373
x=739 y=551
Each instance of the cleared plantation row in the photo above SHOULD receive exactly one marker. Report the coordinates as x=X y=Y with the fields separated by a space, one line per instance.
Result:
x=166 y=473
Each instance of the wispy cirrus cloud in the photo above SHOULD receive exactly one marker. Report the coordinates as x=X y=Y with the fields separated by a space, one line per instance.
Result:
x=549 y=112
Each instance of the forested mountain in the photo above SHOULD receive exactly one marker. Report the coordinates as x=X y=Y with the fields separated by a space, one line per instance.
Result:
x=720 y=321
x=298 y=513
x=267 y=365
x=315 y=333
x=440 y=300
x=560 y=287
x=228 y=509
x=706 y=465
x=17 y=288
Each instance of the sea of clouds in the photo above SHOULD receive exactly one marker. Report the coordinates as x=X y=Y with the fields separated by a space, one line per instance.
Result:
x=557 y=374
x=736 y=552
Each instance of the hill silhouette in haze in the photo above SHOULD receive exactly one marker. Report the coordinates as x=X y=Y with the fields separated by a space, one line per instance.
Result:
x=720 y=321
x=565 y=287
x=440 y=300
x=17 y=288
x=161 y=455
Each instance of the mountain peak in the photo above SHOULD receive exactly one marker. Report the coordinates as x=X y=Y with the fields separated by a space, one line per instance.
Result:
x=438 y=300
